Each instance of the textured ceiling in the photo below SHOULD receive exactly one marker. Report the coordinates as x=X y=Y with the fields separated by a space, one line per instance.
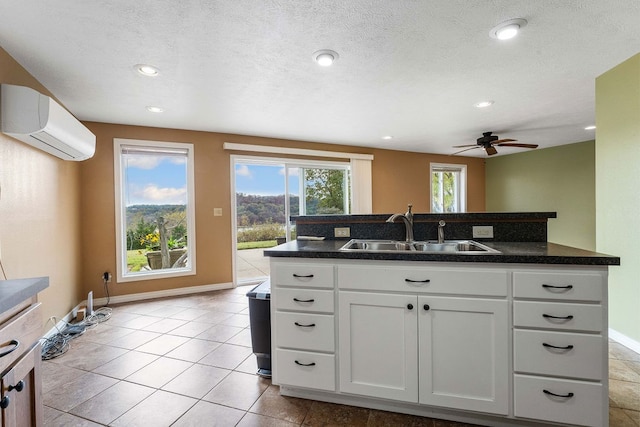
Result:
x=408 y=68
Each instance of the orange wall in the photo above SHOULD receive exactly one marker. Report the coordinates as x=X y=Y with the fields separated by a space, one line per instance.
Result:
x=398 y=178
x=39 y=212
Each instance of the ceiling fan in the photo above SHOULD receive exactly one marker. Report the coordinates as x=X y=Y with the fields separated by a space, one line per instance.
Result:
x=488 y=143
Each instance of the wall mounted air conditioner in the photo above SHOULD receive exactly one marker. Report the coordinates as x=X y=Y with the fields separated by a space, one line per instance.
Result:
x=38 y=120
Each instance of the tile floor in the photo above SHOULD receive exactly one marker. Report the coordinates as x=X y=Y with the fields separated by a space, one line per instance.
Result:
x=187 y=361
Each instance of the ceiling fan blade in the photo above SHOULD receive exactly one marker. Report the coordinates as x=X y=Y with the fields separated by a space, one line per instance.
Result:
x=520 y=145
x=502 y=141
x=491 y=150
x=462 y=146
x=466 y=149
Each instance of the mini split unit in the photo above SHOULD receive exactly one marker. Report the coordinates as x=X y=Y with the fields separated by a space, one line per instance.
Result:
x=38 y=120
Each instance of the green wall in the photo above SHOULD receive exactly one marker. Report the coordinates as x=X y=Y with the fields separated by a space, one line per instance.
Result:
x=618 y=189
x=558 y=179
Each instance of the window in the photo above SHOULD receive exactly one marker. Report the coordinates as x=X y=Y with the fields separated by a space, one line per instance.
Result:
x=448 y=188
x=155 y=219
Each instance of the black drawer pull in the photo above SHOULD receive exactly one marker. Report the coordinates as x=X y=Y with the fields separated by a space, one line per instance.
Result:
x=567 y=347
x=305 y=364
x=426 y=307
x=15 y=343
x=4 y=403
x=18 y=387
x=548 y=316
x=301 y=276
x=310 y=325
x=565 y=396
x=566 y=287
x=417 y=281
x=303 y=300
x=410 y=306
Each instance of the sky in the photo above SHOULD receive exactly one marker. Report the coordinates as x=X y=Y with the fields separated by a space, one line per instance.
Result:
x=155 y=180
x=264 y=180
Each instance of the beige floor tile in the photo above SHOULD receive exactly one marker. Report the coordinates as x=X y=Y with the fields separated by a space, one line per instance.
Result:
x=126 y=364
x=625 y=394
x=88 y=356
x=634 y=415
x=68 y=420
x=50 y=414
x=158 y=373
x=113 y=402
x=105 y=334
x=135 y=339
x=54 y=375
x=321 y=414
x=249 y=365
x=140 y=322
x=164 y=325
x=226 y=306
x=219 y=333
x=189 y=314
x=143 y=307
x=163 y=344
x=167 y=310
x=226 y=356
x=196 y=381
x=119 y=318
x=621 y=370
x=158 y=410
x=273 y=405
x=242 y=338
x=255 y=420
x=193 y=350
x=392 y=419
x=213 y=317
x=238 y=320
x=191 y=329
x=617 y=418
x=73 y=393
x=209 y=414
x=618 y=351
x=238 y=390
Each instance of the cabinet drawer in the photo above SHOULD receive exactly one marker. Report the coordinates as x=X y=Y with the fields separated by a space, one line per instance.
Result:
x=581 y=286
x=306 y=369
x=302 y=275
x=19 y=333
x=552 y=315
x=579 y=355
x=305 y=331
x=407 y=278
x=311 y=300
x=585 y=406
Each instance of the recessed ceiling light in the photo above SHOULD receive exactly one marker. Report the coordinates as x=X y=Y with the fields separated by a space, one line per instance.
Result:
x=590 y=127
x=147 y=70
x=387 y=137
x=325 y=57
x=483 y=104
x=155 y=109
x=507 y=29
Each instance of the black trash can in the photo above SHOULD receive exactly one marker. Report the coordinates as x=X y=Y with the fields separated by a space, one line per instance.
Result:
x=260 y=320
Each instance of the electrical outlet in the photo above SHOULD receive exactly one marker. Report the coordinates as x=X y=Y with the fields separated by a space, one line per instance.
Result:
x=106 y=276
x=483 y=231
x=342 y=232
x=217 y=211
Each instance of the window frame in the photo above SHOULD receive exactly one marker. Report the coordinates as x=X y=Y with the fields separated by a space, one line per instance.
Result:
x=120 y=210
x=461 y=183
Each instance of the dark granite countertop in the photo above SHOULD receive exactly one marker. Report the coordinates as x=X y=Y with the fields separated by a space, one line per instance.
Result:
x=13 y=292
x=511 y=252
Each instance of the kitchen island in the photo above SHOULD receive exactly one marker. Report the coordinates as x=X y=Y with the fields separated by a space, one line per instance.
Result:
x=498 y=339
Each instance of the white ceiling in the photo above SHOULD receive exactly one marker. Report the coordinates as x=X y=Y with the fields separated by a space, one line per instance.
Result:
x=409 y=68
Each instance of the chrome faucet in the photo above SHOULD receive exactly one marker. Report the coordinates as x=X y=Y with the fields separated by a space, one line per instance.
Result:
x=407 y=218
x=441 y=225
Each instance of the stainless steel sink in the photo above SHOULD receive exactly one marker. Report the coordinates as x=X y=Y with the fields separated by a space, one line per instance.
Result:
x=449 y=246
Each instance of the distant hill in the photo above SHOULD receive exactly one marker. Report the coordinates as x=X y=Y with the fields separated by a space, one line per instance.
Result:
x=149 y=213
x=254 y=209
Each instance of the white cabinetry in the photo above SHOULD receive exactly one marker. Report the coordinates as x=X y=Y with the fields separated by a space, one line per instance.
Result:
x=560 y=346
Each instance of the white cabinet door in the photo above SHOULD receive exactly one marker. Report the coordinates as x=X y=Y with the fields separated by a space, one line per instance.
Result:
x=378 y=346
x=464 y=355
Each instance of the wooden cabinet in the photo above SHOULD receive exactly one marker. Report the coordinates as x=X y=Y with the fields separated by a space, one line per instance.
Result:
x=21 y=395
x=464 y=353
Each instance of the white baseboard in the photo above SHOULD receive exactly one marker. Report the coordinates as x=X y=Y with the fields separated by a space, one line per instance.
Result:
x=98 y=302
x=624 y=340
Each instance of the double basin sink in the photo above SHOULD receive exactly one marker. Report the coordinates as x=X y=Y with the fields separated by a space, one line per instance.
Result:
x=467 y=247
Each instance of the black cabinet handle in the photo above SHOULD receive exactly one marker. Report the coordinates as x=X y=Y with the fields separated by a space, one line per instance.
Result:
x=303 y=300
x=18 y=387
x=565 y=287
x=4 y=403
x=410 y=306
x=565 y=396
x=310 y=325
x=548 y=316
x=567 y=347
x=417 y=281
x=426 y=307
x=305 y=364
x=14 y=343
x=302 y=276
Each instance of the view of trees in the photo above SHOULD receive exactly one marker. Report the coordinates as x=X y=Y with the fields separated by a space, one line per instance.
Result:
x=443 y=189
x=143 y=225
x=325 y=191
